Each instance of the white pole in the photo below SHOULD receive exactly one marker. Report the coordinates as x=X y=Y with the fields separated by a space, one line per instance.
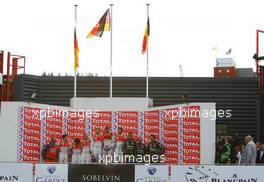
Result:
x=111 y=49
x=75 y=70
x=147 y=57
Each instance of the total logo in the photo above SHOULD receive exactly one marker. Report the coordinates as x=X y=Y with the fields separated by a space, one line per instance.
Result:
x=21 y=109
x=20 y=137
x=89 y=121
x=20 y=144
x=20 y=158
x=21 y=116
x=20 y=151
x=114 y=121
x=161 y=113
x=20 y=123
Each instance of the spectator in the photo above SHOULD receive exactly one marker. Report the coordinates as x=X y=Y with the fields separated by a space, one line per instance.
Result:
x=239 y=150
x=225 y=153
x=260 y=156
x=249 y=154
x=258 y=144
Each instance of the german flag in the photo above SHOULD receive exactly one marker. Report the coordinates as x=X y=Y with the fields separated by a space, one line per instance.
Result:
x=145 y=38
x=76 y=52
x=101 y=26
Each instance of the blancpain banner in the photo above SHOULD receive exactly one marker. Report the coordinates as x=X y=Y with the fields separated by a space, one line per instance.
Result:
x=151 y=173
x=51 y=173
x=209 y=173
x=19 y=172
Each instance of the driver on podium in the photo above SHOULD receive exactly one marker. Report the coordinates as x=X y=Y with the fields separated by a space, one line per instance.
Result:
x=86 y=150
x=64 y=149
x=108 y=142
x=97 y=144
x=119 y=142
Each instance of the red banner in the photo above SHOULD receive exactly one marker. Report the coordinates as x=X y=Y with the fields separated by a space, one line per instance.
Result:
x=32 y=128
x=101 y=119
x=151 y=125
x=76 y=125
x=170 y=134
x=128 y=120
x=191 y=134
x=53 y=124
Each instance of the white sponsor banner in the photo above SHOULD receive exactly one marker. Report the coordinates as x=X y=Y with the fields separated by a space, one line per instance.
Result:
x=51 y=172
x=208 y=173
x=19 y=172
x=151 y=173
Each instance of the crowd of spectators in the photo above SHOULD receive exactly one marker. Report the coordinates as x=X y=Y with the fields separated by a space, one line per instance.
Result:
x=231 y=151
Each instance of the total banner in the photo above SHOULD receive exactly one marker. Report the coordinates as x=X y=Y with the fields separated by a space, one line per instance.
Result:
x=209 y=173
x=151 y=173
x=99 y=173
x=176 y=128
x=19 y=172
x=51 y=172
x=29 y=134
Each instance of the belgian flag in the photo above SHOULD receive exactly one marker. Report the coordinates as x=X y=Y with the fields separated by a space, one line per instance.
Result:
x=145 y=38
x=76 y=52
x=102 y=25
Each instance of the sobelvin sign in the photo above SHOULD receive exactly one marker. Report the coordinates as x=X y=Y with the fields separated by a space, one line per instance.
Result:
x=101 y=173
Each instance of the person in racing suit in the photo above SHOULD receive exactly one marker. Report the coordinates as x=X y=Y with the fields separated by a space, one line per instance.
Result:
x=129 y=148
x=76 y=151
x=64 y=149
x=50 y=152
x=86 y=150
x=107 y=142
x=119 y=142
x=141 y=148
x=154 y=147
x=97 y=144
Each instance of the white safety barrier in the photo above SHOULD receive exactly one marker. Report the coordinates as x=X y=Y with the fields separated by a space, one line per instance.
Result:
x=19 y=172
x=23 y=172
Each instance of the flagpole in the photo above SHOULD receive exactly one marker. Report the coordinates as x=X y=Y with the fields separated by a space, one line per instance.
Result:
x=111 y=50
x=147 y=57
x=75 y=69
